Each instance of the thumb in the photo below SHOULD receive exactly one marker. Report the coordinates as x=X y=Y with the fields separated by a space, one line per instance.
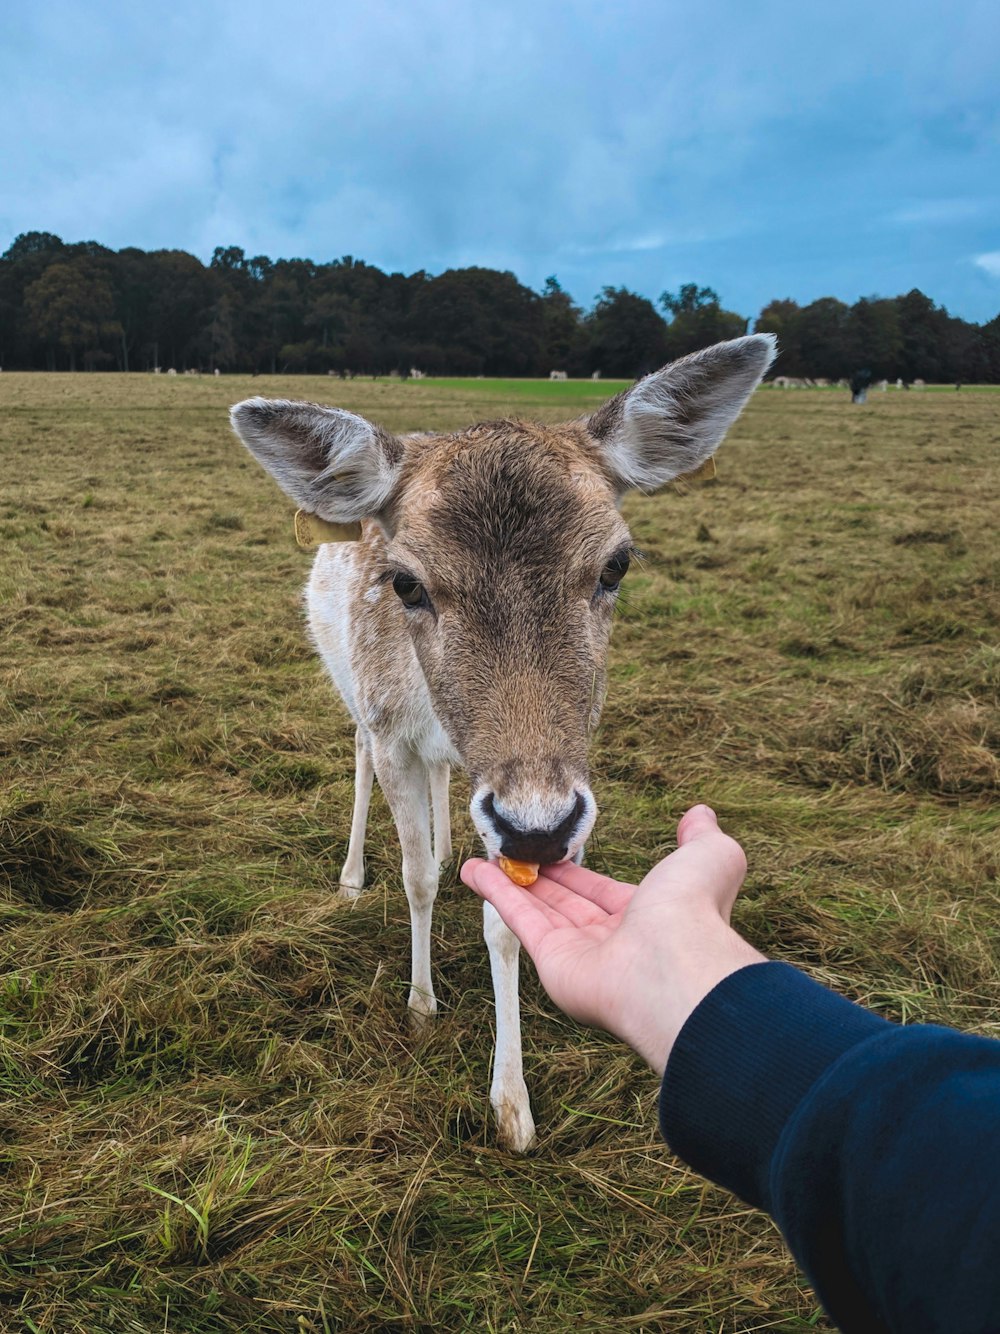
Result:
x=707 y=868
x=695 y=823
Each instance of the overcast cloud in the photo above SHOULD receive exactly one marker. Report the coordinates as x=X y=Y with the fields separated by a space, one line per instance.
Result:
x=765 y=149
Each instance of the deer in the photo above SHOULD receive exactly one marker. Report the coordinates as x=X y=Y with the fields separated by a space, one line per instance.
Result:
x=466 y=622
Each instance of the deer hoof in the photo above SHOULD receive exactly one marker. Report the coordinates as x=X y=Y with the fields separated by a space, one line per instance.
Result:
x=515 y=1124
x=423 y=1008
x=351 y=883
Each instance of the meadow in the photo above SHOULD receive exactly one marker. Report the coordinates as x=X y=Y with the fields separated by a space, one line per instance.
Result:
x=214 y=1114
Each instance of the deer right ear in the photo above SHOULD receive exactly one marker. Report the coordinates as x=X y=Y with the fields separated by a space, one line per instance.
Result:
x=331 y=462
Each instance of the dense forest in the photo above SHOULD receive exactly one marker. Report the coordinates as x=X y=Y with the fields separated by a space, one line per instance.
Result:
x=81 y=306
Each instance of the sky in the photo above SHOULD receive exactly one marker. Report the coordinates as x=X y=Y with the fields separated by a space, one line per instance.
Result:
x=763 y=148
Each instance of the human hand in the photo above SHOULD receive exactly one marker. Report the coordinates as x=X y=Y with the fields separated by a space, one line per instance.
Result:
x=632 y=960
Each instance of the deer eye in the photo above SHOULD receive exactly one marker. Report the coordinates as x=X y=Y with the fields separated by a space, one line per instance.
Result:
x=614 y=572
x=409 y=590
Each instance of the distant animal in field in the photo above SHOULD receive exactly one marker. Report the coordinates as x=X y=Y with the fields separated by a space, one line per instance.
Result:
x=469 y=622
x=860 y=381
x=558 y=375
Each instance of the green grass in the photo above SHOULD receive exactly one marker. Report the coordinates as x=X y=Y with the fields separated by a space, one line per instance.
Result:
x=214 y=1115
x=568 y=397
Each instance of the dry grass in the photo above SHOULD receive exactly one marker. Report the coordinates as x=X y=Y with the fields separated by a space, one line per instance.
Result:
x=215 y=1117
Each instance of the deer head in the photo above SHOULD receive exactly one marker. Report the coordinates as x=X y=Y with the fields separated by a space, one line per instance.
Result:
x=504 y=549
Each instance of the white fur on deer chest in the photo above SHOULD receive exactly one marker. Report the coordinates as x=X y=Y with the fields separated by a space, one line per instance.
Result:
x=357 y=625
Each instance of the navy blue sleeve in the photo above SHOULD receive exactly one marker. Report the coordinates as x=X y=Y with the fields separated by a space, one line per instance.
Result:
x=875 y=1147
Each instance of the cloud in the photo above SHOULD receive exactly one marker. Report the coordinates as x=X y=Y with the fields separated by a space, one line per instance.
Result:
x=647 y=241
x=934 y=212
x=759 y=152
x=989 y=263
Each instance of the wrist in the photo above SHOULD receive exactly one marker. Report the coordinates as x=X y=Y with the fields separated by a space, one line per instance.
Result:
x=697 y=954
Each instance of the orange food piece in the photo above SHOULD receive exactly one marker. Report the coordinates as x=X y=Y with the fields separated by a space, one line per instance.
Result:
x=522 y=873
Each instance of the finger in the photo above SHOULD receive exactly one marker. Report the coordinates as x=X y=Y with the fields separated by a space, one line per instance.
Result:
x=562 y=906
x=611 y=895
x=530 y=919
x=707 y=862
x=700 y=826
x=573 y=907
x=694 y=823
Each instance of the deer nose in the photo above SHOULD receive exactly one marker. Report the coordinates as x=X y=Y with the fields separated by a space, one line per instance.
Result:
x=535 y=845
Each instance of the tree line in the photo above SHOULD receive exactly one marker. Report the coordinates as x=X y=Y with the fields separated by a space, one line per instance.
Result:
x=82 y=306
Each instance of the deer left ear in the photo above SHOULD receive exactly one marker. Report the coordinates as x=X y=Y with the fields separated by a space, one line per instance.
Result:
x=670 y=422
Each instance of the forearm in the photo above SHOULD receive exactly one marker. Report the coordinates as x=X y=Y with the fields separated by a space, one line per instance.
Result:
x=873 y=1146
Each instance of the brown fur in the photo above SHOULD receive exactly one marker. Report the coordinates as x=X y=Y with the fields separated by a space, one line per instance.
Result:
x=508 y=526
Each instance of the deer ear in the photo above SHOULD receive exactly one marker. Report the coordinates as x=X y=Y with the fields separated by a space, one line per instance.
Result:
x=331 y=462
x=672 y=421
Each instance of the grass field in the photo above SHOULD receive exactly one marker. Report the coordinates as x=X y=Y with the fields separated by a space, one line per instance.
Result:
x=215 y=1116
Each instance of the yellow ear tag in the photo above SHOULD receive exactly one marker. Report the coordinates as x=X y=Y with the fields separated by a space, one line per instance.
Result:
x=312 y=531
x=703 y=473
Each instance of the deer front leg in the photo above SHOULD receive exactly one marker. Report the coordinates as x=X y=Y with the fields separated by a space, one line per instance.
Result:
x=352 y=876
x=440 y=774
x=508 y=1092
x=404 y=780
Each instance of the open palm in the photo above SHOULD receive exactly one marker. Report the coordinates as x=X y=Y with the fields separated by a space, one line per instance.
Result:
x=624 y=958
